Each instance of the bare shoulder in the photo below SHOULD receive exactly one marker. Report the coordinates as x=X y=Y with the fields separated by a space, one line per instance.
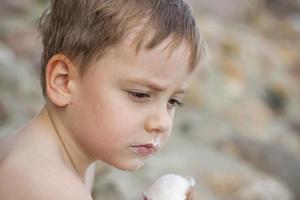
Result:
x=39 y=182
x=28 y=179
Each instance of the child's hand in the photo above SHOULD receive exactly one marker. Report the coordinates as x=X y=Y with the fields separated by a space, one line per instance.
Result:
x=189 y=194
x=171 y=187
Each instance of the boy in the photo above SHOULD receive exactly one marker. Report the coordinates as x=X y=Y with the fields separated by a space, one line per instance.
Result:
x=113 y=72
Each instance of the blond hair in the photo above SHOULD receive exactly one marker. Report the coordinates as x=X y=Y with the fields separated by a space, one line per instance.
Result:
x=84 y=30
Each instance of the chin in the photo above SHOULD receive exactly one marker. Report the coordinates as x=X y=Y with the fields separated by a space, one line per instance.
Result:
x=133 y=166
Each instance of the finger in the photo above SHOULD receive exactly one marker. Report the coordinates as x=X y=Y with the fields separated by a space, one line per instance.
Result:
x=189 y=194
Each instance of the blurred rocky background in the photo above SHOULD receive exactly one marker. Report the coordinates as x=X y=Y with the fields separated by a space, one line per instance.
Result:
x=239 y=132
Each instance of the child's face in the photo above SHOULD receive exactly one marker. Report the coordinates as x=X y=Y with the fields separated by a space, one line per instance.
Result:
x=124 y=105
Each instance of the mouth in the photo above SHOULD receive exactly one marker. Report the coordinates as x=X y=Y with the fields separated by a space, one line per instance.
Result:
x=145 y=149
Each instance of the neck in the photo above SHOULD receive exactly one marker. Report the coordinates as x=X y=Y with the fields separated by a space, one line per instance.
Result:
x=73 y=154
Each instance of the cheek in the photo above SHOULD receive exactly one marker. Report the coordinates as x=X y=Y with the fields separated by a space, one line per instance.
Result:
x=166 y=136
x=103 y=122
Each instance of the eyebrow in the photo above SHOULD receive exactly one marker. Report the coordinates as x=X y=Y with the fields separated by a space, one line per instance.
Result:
x=154 y=85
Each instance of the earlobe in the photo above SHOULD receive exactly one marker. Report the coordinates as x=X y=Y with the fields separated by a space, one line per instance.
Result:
x=58 y=77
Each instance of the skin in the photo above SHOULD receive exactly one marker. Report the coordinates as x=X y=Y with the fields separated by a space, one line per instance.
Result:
x=124 y=99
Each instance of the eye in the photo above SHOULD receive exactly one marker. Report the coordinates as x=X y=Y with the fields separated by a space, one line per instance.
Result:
x=174 y=102
x=138 y=96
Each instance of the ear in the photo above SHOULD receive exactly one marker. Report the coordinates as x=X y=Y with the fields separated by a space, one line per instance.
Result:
x=59 y=76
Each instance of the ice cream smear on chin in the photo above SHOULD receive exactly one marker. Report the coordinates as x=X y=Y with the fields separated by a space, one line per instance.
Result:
x=169 y=187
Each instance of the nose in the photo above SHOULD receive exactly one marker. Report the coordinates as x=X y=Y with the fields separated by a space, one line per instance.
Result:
x=159 y=122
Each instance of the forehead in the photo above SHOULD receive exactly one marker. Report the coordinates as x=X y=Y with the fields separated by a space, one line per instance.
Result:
x=139 y=38
x=130 y=47
x=162 y=64
x=162 y=54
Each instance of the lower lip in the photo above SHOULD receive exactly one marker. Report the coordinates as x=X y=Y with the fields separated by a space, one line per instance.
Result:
x=143 y=151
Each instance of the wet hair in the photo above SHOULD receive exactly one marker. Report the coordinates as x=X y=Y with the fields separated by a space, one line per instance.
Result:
x=84 y=30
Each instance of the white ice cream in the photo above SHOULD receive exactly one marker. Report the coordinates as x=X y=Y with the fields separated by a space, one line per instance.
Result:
x=170 y=187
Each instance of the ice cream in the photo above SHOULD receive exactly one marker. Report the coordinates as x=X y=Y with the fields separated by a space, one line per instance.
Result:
x=170 y=187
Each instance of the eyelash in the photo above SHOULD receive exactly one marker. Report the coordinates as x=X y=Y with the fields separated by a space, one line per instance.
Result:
x=176 y=103
x=140 y=97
